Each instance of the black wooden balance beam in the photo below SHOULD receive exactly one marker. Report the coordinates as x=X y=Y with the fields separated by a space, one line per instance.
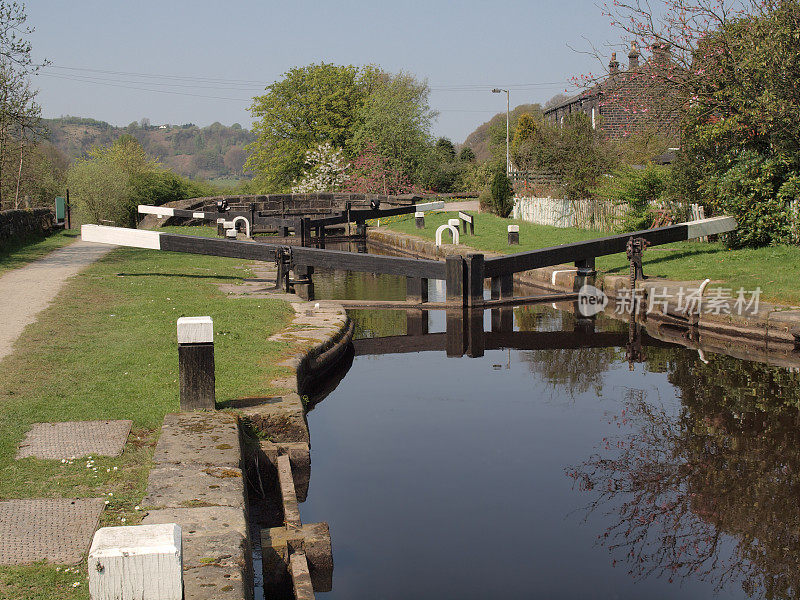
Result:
x=248 y=250
x=584 y=253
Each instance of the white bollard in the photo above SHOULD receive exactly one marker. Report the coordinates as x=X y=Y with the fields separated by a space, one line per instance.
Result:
x=143 y=562
x=419 y=220
x=454 y=223
x=513 y=234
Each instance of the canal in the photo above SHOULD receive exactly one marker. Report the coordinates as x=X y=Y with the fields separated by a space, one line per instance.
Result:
x=622 y=470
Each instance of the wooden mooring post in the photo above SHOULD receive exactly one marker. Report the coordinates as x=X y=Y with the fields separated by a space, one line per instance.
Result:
x=464 y=279
x=196 y=363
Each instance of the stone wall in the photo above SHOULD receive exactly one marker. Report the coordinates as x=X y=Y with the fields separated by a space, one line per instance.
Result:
x=305 y=204
x=20 y=225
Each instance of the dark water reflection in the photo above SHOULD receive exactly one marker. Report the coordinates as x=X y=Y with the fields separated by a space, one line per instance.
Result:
x=590 y=462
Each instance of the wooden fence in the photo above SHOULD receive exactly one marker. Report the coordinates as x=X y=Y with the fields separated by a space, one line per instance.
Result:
x=584 y=214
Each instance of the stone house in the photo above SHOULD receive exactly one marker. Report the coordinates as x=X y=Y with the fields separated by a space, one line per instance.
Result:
x=643 y=96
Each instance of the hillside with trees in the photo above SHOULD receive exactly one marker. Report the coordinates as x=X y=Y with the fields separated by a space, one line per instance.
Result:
x=213 y=152
x=488 y=141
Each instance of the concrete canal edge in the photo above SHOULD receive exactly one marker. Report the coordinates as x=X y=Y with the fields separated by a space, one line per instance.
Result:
x=203 y=459
x=771 y=328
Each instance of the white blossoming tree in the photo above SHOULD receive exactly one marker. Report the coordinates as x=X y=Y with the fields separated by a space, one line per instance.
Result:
x=325 y=171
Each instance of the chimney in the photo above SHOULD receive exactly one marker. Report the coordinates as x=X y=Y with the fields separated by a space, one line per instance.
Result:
x=633 y=57
x=660 y=52
x=613 y=65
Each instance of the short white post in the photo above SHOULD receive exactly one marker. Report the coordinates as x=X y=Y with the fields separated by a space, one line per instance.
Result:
x=196 y=363
x=454 y=223
x=513 y=234
x=419 y=220
x=143 y=562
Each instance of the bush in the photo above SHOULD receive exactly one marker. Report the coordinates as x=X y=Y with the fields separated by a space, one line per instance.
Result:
x=756 y=190
x=639 y=189
x=501 y=194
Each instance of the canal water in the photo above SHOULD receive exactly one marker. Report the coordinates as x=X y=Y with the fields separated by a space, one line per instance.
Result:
x=563 y=460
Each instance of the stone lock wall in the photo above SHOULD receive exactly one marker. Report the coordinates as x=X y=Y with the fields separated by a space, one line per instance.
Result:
x=305 y=204
x=19 y=225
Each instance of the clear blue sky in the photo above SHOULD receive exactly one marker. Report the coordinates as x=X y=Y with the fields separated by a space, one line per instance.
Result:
x=231 y=50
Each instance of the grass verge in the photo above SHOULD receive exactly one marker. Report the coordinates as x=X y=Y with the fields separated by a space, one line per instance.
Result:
x=775 y=269
x=22 y=253
x=106 y=349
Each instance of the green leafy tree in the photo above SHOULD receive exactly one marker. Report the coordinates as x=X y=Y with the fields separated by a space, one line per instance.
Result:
x=527 y=139
x=396 y=118
x=113 y=180
x=466 y=154
x=639 y=189
x=309 y=106
x=348 y=107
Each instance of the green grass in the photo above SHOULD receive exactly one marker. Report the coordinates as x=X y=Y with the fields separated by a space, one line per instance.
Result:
x=19 y=255
x=106 y=349
x=775 y=269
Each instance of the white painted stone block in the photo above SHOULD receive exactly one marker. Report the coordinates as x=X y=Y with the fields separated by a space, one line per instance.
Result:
x=429 y=206
x=453 y=222
x=712 y=226
x=417 y=215
x=160 y=211
x=230 y=233
x=143 y=562
x=121 y=236
x=513 y=229
x=195 y=330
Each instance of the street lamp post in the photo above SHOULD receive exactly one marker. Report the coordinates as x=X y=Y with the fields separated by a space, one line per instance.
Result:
x=508 y=104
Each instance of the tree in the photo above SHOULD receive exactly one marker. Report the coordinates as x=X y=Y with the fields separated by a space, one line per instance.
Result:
x=19 y=113
x=326 y=171
x=348 y=107
x=111 y=181
x=732 y=74
x=396 y=119
x=501 y=193
x=373 y=173
x=466 y=154
x=311 y=105
x=235 y=158
x=527 y=139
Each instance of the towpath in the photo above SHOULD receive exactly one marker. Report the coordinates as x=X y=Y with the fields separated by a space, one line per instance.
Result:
x=466 y=205
x=26 y=291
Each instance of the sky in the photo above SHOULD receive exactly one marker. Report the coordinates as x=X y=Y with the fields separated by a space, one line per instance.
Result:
x=179 y=61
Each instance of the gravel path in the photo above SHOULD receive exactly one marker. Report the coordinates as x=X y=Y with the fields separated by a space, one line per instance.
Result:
x=471 y=205
x=24 y=292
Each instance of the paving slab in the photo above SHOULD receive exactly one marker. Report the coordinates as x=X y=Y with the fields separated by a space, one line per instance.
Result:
x=209 y=438
x=53 y=529
x=216 y=553
x=73 y=439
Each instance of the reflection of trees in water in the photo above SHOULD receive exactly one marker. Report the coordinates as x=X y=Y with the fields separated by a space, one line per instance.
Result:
x=338 y=285
x=373 y=323
x=576 y=370
x=727 y=463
